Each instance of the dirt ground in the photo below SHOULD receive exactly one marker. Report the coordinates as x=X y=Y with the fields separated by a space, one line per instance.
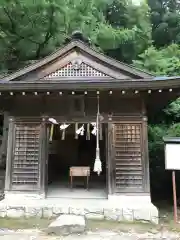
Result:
x=90 y=235
x=31 y=229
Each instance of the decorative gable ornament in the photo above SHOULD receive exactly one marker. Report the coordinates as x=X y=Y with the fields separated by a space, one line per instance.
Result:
x=76 y=64
x=76 y=68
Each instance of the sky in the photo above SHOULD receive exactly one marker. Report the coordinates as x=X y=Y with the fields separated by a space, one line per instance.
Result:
x=136 y=1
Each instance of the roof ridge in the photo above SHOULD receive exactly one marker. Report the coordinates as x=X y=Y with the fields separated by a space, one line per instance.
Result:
x=121 y=66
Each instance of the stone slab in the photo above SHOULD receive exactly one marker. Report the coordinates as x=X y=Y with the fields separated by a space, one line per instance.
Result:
x=67 y=224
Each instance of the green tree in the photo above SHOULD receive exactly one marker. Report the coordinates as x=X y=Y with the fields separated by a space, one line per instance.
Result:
x=32 y=29
x=124 y=14
x=165 y=19
x=165 y=61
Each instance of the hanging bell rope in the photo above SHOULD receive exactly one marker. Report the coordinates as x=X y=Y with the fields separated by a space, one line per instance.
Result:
x=97 y=163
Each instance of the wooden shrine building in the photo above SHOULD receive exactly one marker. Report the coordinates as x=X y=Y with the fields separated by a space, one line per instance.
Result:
x=65 y=86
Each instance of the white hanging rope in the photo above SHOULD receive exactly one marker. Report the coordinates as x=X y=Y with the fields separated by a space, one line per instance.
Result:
x=97 y=163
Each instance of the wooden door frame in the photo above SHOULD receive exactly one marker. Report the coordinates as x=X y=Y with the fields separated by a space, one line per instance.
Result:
x=108 y=158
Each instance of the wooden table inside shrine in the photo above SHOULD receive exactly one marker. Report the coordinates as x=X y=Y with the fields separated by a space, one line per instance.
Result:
x=79 y=172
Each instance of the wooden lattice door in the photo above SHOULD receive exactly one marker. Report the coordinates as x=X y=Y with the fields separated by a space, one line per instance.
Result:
x=26 y=154
x=128 y=157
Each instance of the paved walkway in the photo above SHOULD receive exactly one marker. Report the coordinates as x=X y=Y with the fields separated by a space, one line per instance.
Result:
x=99 y=235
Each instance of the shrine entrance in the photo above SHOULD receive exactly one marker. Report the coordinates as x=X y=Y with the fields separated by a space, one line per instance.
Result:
x=76 y=147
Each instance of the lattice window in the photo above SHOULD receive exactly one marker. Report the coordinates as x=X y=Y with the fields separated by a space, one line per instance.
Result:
x=128 y=156
x=69 y=70
x=25 y=167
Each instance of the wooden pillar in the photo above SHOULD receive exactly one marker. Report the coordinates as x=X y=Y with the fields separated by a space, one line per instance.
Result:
x=145 y=156
x=9 y=155
x=3 y=148
x=110 y=160
x=145 y=160
x=43 y=157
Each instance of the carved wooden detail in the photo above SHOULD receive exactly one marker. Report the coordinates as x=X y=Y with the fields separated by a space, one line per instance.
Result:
x=79 y=69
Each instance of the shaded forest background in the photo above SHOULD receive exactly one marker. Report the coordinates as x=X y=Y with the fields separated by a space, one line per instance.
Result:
x=146 y=35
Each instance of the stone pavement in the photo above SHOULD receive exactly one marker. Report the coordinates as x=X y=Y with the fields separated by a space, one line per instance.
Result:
x=98 y=235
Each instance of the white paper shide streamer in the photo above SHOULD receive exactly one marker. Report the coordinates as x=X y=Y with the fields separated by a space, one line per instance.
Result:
x=94 y=131
x=80 y=131
x=53 y=121
x=64 y=126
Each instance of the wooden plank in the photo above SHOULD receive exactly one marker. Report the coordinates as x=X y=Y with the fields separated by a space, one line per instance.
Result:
x=79 y=171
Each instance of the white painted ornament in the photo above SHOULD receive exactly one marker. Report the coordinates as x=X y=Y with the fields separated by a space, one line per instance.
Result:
x=94 y=128
x=81 y=130
x=64 y=126
x=52 y=120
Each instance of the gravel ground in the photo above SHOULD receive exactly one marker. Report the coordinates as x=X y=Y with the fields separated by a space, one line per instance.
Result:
x=97 y=235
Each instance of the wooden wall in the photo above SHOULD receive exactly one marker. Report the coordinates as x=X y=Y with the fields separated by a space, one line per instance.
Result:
x=127 y=138
x=65 y=105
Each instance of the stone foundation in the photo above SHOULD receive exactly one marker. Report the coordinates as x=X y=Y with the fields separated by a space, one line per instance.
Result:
x=23 y=196
x=117 y=208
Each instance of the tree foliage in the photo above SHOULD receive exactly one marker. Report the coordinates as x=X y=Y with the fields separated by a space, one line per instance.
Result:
x=124 y=14
x=165 y=18
x=163 y=62
x=32 y=29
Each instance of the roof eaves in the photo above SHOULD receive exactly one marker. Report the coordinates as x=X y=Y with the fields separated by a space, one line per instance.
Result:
x=113 y=61
x=41 y=62
x=86 y=48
